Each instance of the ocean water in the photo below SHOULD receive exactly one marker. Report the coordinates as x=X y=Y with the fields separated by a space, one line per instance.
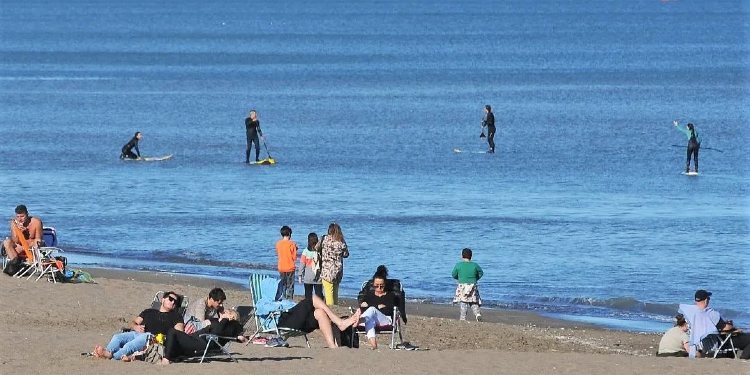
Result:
x=582 y=213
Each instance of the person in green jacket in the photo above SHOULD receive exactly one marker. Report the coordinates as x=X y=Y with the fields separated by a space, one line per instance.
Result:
x=467 y=292
x=693 y=146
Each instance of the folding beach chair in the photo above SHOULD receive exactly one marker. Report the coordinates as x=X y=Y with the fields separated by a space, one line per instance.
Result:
x=399 y=311
x=42 y=260
x=267 y=309
x=719 y=346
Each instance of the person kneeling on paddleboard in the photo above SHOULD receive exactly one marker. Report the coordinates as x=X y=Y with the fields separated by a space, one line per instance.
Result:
x=693 y=146
x=127 y=150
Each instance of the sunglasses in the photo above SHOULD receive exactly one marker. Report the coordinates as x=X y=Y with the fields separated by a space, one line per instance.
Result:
x=173 y=299
x=379 y=286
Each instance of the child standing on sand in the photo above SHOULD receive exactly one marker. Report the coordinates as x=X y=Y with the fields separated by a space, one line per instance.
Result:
x=467 y=293
x=286 y=249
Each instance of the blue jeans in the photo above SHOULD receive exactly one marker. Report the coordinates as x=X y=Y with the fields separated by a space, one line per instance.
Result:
x=127 y=343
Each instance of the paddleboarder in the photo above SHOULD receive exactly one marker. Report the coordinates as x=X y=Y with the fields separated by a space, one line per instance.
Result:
x=693 y=146
x=127 y=150
x=252 y=130
x=489 y=122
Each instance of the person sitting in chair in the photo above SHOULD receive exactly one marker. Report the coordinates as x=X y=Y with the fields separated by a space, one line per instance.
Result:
x=705 y=326
x=179 y=343
x=200 y=311
x=23 y=228
x=377 y=306
x=148 y=322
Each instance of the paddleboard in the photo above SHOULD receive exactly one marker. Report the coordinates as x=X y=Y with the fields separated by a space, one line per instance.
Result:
x=691 y=173
x=460 y=151
x=151 y=158
x=267 y=161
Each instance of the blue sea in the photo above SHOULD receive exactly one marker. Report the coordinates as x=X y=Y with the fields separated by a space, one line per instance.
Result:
x=582 y=213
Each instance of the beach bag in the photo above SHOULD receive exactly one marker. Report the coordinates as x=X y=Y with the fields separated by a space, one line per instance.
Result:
x=350 y=338
x=153 y=353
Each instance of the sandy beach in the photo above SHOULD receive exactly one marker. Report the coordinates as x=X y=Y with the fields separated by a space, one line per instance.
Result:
x=46 y=327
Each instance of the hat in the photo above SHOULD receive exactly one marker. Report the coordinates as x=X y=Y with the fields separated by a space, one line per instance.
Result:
x=701 y=294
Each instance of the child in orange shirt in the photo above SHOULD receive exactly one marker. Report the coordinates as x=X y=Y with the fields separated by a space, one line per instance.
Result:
x=286 y=249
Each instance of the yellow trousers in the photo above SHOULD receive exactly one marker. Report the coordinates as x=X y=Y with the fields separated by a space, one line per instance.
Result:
x=330 y=292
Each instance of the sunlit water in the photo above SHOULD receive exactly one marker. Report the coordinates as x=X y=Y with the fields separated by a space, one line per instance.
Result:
x=582 y=212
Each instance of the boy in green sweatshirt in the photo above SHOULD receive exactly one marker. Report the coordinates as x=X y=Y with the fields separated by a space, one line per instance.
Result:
x=467 y=293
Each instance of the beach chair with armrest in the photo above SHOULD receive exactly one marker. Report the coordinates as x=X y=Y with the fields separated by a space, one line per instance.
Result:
x=41 y=259
x=267 y=309
x=399 y=311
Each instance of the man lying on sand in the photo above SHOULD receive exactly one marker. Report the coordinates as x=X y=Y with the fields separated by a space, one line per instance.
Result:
x=149 y=322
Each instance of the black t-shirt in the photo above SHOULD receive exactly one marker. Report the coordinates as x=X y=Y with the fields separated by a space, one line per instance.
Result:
x=159 y=322
x=388 y=299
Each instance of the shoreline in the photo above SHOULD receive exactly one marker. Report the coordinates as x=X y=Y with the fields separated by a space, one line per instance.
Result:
x=426 y=308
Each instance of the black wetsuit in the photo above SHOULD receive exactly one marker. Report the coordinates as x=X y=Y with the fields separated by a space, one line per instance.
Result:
x=127 y=150
x=692 y=149
x=489 y=122
x=252 y=129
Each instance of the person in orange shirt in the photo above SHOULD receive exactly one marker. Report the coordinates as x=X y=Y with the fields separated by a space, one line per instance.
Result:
x=286 y=250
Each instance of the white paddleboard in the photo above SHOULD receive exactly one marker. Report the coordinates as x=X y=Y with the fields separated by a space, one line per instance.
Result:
x=152 y=158
x=691 y=173
x=460 y=151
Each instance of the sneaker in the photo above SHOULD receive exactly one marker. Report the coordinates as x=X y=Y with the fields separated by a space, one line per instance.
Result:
x=479 y=317
x=277 y=342
x=260 y=341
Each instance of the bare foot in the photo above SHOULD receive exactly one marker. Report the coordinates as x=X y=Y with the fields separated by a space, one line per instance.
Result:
x=100 y=352
x=373 y=343
x=126 y=358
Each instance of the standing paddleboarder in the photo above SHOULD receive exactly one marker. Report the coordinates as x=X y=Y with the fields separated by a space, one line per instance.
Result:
x=252 y=130
x=693 y=146
x=489 y=122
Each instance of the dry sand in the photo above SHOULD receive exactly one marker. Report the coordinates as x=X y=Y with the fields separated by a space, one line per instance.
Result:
x=45 y=327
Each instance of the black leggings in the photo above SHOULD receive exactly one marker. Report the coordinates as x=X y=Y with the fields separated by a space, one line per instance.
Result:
x=309 y=291
x=491 y=137
x=693 y=149
x=252 y=138
x=128 y=155
x=179 y=344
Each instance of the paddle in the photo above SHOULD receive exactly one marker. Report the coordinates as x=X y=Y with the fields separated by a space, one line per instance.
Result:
x=702 y=148
x=270 y=158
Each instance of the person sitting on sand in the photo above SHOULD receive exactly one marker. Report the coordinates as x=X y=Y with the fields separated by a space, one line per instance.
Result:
x=179 y=343
x=149 y=322
x=200 y=311
x=377 y=306
x=311 y=314
x=674 y=343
